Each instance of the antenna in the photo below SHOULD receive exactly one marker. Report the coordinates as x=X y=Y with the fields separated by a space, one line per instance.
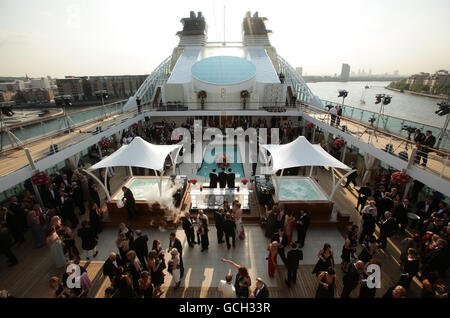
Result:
x=224 y=24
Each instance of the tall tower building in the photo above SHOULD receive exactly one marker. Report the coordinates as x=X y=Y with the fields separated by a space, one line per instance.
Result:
x=345 y=72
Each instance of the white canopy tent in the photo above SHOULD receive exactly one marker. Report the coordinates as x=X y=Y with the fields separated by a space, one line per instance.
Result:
x=301 y=153
x=142 y=154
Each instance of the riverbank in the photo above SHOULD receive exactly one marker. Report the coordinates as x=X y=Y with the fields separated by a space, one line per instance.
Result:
x=419 y=93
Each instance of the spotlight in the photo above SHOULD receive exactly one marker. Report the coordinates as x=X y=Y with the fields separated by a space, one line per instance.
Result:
x=444 y=108
x=343 y=93
x=7 y=111
x=386 y=100
x=378 y=98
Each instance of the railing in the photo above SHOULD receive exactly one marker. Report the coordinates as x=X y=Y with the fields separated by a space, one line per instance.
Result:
x=437 y=160
x=54 y=127
x=391 y=124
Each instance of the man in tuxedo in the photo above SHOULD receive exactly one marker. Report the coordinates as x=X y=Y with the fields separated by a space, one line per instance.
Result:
x=424 y=209
x=19 y=212
x=387 y=229
x=229 y=227
x=188 y=227
x=379 y=193
x=174 y=242
x=351 y=278
x=130 y=203
x=9 y=220
x=141 y=247
x=282 y=240
x=77 y=195
x=363 y=194
x=429 y=142
x=261 y=290
x=5 y=246
x=222 y=179
x=213 y=179
x=419 y=137
x=302 y=227
x=401 y=214
x=292 y=261
x=352 y=177
x=67 y=209
x=383 y=205
x=51 y=197
x=219 y=220
x=111 y=264
x=230 y=178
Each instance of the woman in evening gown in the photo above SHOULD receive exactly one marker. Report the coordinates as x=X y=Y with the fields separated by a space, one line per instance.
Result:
x=273 y=253
x=57 y=248
x=326 y=260
x=326 y=284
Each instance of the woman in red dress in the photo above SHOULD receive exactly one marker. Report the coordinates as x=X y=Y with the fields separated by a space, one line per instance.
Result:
x=289 y=225
x=273 y=253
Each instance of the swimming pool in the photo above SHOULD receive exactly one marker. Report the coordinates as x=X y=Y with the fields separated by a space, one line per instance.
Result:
x=209 y=161
x=300 y=189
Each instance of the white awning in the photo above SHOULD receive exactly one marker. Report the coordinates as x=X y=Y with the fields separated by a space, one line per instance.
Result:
x=300 y=153
x=139 y=153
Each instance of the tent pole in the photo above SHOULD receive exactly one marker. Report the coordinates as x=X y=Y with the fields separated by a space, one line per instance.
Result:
x=160 y=183
x=106 y=177
x=311 y=171
x=334 y=177
x=99 y=182
x=131 y=171
x=339 y=182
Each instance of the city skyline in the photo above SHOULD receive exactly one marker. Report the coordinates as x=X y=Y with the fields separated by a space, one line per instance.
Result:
x=61 y=38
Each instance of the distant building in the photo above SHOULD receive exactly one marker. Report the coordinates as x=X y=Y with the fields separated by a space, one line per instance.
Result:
x=15 y=86
x=38 y=95
x=345 y=72
x=299 y=70
x=71 y=86
x=7 y=96
x=84 y=87
x=396 y=73
x=40 y=83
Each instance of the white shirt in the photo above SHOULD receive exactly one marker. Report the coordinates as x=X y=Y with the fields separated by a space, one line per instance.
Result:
x=333 y=111
x=227 y=289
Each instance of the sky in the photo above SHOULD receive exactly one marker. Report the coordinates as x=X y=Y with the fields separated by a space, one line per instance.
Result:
x=115 y=37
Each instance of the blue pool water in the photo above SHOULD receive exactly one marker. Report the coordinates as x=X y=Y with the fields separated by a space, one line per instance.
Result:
x=209 y=161
x=301 y=189
x=223 y=70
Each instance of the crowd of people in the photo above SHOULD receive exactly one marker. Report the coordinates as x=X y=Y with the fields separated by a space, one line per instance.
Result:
x=134 y=270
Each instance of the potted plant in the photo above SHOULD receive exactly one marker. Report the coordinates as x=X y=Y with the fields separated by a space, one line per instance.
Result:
x=244 y=181
x=202 y=96
x=244 y=95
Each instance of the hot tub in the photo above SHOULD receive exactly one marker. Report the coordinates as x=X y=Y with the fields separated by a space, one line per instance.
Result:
x=144 y=187
x=305 y=193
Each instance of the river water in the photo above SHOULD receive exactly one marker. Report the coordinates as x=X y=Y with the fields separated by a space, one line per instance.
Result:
x=412 y=107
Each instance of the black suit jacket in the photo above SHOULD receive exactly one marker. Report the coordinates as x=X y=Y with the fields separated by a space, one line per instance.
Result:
x=229 y=227
x=176 y=244
x=222 y=179
x=140 y=245
x=388 y=227
x=305 y=220
x=276 y=238
x=351 y=278
x=401 y=212
x=293 y=258
x=429 y=141
x=188 y=226
x=108 y=267
x=128 y=195
x=213 y=179
x=218 y=219
x=263 y=293
x=230 y=179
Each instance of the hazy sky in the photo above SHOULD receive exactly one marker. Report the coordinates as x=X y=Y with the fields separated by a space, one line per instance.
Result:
x=106 y=37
